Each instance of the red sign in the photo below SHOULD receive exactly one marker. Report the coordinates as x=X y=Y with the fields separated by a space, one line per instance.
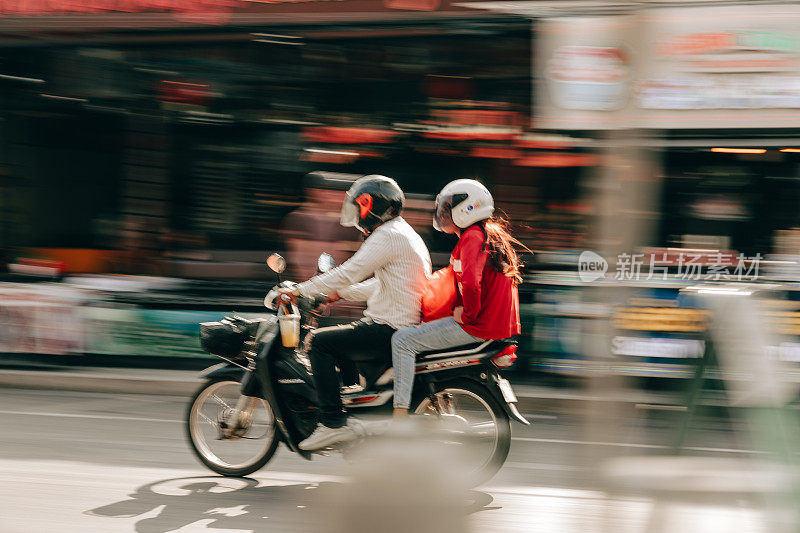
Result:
x=203 y=11
x=205 y=7
x=338 y=135
x=557 y=160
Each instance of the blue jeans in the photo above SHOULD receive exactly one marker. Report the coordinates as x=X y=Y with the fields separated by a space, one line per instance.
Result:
x=407 y=342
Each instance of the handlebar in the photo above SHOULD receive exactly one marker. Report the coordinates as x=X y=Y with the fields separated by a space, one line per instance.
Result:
x=304 y=303
x=269 y=299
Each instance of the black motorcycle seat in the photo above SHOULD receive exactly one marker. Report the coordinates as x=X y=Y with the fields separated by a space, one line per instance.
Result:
x=462 y=348
x=493 y=346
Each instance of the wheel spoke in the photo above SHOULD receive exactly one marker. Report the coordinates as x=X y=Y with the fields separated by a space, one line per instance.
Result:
x=221 y=401
x=249 y=444
x=473 y=418
x=206 y=418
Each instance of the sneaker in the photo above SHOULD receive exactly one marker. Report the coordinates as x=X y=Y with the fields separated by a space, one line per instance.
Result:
x=324 y=436
x=356 y=387
x=352 y=389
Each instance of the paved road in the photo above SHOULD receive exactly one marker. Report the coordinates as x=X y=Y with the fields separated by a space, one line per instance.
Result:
x=97 y=462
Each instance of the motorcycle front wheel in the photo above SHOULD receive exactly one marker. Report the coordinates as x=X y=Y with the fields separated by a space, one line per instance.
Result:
x=478 y=423
x=226 y=442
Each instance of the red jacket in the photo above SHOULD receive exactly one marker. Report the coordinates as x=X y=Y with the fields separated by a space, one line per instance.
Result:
x=489 y=297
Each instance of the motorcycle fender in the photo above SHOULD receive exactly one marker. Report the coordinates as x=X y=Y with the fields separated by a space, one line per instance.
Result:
x=491 y=383
x=514 y=413
x=222 y=370
x=250 y=386
x=511 y=407
x=264 y=372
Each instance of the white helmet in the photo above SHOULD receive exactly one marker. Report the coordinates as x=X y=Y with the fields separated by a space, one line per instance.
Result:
x=461 y=204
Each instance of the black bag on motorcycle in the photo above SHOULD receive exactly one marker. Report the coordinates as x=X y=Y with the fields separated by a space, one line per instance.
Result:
x=226 y=338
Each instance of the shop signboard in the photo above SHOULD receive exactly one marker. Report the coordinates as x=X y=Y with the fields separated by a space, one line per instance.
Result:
x=585 y=72
x=656 y=333
x=723 y=66
x=666 y=68
x=657 y=347
x=40 y=319
x=147 y=332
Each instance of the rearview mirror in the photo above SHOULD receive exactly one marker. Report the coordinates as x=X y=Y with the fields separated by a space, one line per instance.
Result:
x=276 y=263
x=325 y=263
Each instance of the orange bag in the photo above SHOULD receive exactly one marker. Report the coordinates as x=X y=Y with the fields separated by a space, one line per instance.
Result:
x=439 y=295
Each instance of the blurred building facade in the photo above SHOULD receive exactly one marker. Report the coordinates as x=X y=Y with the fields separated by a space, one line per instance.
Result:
x=711 y=96
x=164 y=134
x=179 y=143
x=691 y=113
x=169 y=131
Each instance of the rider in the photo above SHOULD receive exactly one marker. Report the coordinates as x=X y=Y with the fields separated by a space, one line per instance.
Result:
x=389 y=272
x=487 y=270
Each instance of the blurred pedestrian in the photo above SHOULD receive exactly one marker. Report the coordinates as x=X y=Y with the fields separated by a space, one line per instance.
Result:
x=314 y=228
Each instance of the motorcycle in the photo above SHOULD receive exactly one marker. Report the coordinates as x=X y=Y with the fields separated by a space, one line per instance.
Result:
x=263 y=393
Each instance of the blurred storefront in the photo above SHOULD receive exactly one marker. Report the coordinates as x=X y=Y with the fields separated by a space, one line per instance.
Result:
x=691 y=116
x=174 y=139
x=712 y=96
x=160 y=132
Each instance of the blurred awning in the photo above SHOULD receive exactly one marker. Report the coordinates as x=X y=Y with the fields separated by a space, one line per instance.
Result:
x=20 y=18
x=557 y=160
x=757 y=139
x=349 y=135
x=556 y=8
x=577 y=8
x=754 y=141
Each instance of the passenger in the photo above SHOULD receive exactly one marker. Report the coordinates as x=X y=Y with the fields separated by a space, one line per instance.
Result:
x=487 y=271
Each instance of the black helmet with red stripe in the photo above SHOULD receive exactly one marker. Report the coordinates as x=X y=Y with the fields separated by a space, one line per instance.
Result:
x=371 y=201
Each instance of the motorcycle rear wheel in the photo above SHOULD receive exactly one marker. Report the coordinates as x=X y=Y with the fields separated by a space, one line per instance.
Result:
x=251 y=448
x=484 y=421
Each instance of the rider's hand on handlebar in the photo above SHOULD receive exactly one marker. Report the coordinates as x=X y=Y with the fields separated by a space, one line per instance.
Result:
x=332 y=297
x=287 y=296
x=457 y=312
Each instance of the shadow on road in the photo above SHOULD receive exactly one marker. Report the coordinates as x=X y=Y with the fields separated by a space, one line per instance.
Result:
x=239 y=504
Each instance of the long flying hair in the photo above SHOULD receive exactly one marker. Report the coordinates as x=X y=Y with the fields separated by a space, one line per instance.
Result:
x=500 y=246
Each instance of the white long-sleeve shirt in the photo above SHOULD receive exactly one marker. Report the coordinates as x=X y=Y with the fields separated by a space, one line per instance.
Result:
x=389 y=271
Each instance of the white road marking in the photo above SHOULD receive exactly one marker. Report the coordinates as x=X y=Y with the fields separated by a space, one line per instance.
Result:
x=548 y=492
x=97 y=417
x=632 y=445
x=542 y=466
x=55 y=472
x=588 y=442
x=520 y=439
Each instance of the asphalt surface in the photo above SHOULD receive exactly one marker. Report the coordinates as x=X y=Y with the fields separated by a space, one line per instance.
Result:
x=105 y=462
x=531 y=393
